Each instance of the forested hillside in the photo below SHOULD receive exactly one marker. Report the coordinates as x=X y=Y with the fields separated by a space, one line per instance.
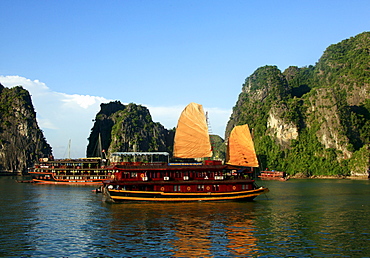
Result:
x=312 y=120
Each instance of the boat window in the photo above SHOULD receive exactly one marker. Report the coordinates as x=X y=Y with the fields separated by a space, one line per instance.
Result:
x=200 y=187
x=177 y=188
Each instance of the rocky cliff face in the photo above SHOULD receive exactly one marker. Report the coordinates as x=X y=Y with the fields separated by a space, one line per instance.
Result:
x=21 y=140
x=280 y=128
x=312 y=120
x=124 y=128
x=323 y=110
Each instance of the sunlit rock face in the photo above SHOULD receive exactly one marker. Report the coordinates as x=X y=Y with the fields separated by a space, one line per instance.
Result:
x=21 y=140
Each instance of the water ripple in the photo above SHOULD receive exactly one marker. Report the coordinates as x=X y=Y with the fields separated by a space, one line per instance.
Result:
x=298 y=219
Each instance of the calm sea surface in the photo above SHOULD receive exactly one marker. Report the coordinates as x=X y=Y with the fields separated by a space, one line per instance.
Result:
x=297 y=218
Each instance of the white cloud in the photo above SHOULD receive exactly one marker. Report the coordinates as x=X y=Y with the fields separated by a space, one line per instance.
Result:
x=28 y=84
x=64 y=117
x=83 y=101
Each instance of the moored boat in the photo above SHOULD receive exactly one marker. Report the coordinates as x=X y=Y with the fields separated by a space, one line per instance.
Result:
x=190 y=175
x=273 y=175
x=84 y=171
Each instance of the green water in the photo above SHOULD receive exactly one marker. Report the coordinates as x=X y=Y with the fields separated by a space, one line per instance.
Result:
x=297 y=218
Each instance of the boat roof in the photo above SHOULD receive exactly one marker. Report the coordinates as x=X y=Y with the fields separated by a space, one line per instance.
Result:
x=135 y=153
x=80 y=160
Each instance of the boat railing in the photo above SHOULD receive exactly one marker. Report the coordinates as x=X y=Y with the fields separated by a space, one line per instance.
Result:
x=146 y=180
x=137 y=164
x=181 y=177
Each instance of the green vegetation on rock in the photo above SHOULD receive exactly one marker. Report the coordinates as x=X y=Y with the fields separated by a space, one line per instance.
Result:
x=312 y=120
x=124 y=128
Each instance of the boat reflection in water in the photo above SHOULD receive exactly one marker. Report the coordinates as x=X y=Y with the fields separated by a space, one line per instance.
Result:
x=242 y=240
x=192 y=237
x=186 y=229
x=197 y=238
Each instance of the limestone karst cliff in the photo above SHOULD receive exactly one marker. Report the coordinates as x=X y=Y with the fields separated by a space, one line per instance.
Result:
x=312 y=120
x=21 y=140
x=123 y=128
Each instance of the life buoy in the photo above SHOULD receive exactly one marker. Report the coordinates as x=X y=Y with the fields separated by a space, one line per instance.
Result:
x=162 y=188
x=208 y=188
x=188 y=188
x=234 y=187
x=142 y=175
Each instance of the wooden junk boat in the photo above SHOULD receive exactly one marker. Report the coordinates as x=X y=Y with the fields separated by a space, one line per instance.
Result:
x=187 y=180
x=84 y=171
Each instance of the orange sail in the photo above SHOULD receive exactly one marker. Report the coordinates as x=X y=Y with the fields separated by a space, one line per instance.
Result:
x=191 y=138
x=241 y=148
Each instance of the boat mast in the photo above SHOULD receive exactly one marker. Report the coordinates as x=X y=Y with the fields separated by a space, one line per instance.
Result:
x=211 y=139
x=69 y=149
x=100 y=148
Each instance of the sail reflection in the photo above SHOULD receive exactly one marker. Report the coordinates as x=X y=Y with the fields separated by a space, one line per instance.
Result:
x=185 y=230
x=242 y=242
x=192 y=238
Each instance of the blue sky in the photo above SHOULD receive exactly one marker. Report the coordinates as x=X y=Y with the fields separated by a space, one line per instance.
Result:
x=73 y=55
